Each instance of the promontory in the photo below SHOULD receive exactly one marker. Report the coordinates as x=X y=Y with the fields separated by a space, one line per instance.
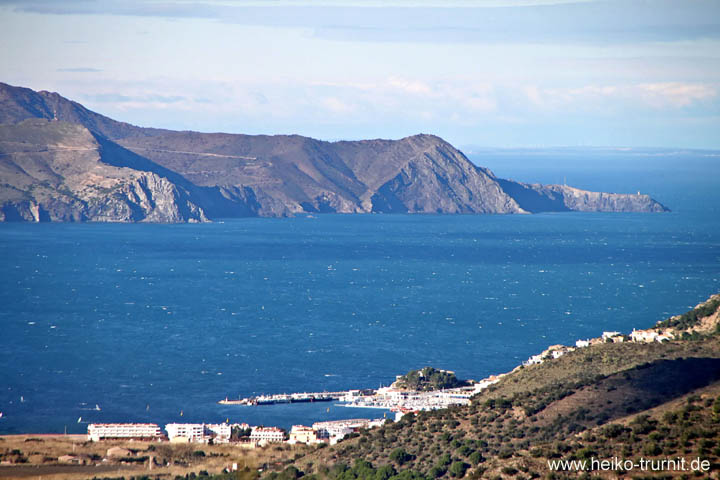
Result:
x=60 y=161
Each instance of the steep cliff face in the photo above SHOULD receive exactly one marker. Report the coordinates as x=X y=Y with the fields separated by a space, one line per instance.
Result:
x=562 y=198
x=114 y=171
x=442 y=180
x=584 y=201
x=56 y=171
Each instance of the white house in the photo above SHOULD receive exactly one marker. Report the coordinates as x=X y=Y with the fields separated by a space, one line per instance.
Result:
x=303 y=434
x=648 y=336
x=534 y=360
x=612 y=336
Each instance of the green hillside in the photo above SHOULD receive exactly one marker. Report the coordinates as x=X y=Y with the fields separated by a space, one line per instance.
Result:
x=627 y=400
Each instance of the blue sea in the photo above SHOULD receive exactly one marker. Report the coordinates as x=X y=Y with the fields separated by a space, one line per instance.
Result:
x=156 y=323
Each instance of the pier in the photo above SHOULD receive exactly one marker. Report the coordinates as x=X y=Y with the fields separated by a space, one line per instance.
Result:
x=386 y=398
x=304 y=397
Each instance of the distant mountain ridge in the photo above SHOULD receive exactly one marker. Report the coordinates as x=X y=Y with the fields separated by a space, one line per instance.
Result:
x=190 y=176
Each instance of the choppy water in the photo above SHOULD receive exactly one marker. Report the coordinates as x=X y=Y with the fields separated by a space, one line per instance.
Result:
x=147 y=321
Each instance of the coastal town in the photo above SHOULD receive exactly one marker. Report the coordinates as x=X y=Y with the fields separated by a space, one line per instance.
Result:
x=240 y=434
x=239 y=448
x=396 y=398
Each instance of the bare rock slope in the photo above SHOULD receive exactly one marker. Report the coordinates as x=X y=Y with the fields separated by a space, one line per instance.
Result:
x=58 y=171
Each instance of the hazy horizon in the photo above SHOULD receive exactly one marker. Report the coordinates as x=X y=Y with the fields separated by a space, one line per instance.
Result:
x=502 y=73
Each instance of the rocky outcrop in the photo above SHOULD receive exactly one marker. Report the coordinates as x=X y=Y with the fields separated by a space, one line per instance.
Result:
x=55 y=171
x=583 y=201
x=562 y=198
x=61 y=161
x=442 y=180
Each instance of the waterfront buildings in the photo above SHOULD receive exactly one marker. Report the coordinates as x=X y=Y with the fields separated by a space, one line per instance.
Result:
x=649 y=336
x=335 y=430
x=109 y=431
x=198 y=432
x=615 y=337
x=303 y=434
x=265 y=435
x=185 y=432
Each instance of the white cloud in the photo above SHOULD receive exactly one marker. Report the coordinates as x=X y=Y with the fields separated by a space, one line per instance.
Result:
x=604 y=98
x=410 y=86
x=673 y=94
x=335 y=105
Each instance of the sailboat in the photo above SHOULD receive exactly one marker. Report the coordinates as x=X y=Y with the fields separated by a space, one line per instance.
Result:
x=97 y=407
x=79 y=419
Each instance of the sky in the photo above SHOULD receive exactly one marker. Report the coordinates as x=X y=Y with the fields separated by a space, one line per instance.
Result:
x=488 y=73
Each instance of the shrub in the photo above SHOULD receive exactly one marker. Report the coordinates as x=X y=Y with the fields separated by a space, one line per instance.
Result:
x=437 y=471
x=458 y=469
x=400 y=456
x=476 y=458
x=652 y=448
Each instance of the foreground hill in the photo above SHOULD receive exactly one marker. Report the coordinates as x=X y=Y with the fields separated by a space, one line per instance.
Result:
x=227 y=175
x=631 y=400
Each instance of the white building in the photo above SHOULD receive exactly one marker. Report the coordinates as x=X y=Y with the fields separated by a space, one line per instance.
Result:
x=485 y=383
x=220 y=432
x=582 y=343
x=106 y=431
x=561 y=350
x=303 y=434
x=649 y=336
x=393 y=394
x=198 y=432
x=534 y=360
x=265 y=435
x=612 y=336
x=336 y=430
x=185 y=432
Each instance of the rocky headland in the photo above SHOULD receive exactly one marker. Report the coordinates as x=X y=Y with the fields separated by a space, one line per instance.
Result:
x=62 y=162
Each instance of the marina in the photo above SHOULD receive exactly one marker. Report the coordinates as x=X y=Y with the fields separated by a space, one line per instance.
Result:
x=304 y=397
x=385 y=398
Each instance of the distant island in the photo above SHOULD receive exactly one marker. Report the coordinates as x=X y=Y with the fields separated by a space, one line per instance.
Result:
x=62 y=162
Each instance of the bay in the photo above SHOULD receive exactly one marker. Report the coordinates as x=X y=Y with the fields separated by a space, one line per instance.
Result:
x=159 y=322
